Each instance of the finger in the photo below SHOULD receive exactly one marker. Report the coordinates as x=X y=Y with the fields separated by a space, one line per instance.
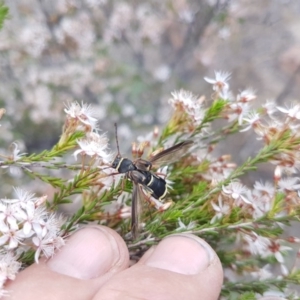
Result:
x=180 y=267
x=89 y=258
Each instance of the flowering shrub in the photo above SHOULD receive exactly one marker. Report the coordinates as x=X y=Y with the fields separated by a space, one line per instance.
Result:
x=206 y=196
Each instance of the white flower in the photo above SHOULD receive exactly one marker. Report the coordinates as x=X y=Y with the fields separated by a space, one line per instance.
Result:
x=292 y=112
x=183 y=97
x=50 y=224
x=221 y=209
x=189 y=103
x=257 y=245
x=264 y=189
x=46 y=245
x=237 y=111
x=237 y=191
x=220 y=81
x=27 y=216
x=263 y=273
x=251 y=119
x=12 y=236
x=246 y=95
x=277 y=250
x=16 y=155
x=23 y=196
x=7 y=213
x=31 y=217
x=182 y=226
x=288 y=184
x=261 y=205
x=270 y=107
x=226 y=94
x=83 y=113
x=94 y=145
x=9 y=266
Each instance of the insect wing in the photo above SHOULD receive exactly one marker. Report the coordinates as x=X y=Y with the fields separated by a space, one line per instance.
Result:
x=136 y=209
x=143 y=165
x=171 y=154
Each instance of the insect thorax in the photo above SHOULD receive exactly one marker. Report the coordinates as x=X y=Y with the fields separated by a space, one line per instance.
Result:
x=123 y=165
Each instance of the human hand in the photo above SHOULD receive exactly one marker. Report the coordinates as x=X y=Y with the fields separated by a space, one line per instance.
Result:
x=94 y=264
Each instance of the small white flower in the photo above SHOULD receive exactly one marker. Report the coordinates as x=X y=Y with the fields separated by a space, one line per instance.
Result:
x=182 y=226
x=23 y=196
x=46 y=245
x=257 y=245
x=83 y=113
x=184 y=98
x=261 y=205
x=27 y=216
x=238 y=111
x=264 y=189
x=251 y=119
x=9 y=266
x=270 y=107
x=31 y=218
x=16 y=155
x=246 y=95
x=292 y=112
x=220 y=81
x=288 y=184
x=221 y=209
x=11 y=237
x=226 y=94
x=263 y=273
x=192 y=105
x=7 y=213
x=237 y=191
x=50 y=224
x=277 y=250
x=94 y=145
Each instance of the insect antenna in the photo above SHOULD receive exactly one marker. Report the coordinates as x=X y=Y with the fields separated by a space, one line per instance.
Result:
x=116 y=134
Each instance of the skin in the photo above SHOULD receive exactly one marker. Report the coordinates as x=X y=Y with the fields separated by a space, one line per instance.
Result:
x=94 y=264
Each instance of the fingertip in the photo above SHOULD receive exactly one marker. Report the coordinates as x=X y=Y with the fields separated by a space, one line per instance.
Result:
x=183 y=253
x=179 y=267
x=91 y=252
x=189 y=255
x=96 y=253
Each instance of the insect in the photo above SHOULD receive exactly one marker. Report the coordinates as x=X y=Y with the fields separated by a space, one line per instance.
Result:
x=139 y=172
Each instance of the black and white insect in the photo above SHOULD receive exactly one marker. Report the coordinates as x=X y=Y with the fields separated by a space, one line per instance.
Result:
x=145 y=182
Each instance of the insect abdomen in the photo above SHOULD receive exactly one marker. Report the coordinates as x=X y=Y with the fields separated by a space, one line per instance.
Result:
x=158 y=186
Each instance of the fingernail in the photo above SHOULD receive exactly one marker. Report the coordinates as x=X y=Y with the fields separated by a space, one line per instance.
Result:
x=89 y=253
x=184 y=254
